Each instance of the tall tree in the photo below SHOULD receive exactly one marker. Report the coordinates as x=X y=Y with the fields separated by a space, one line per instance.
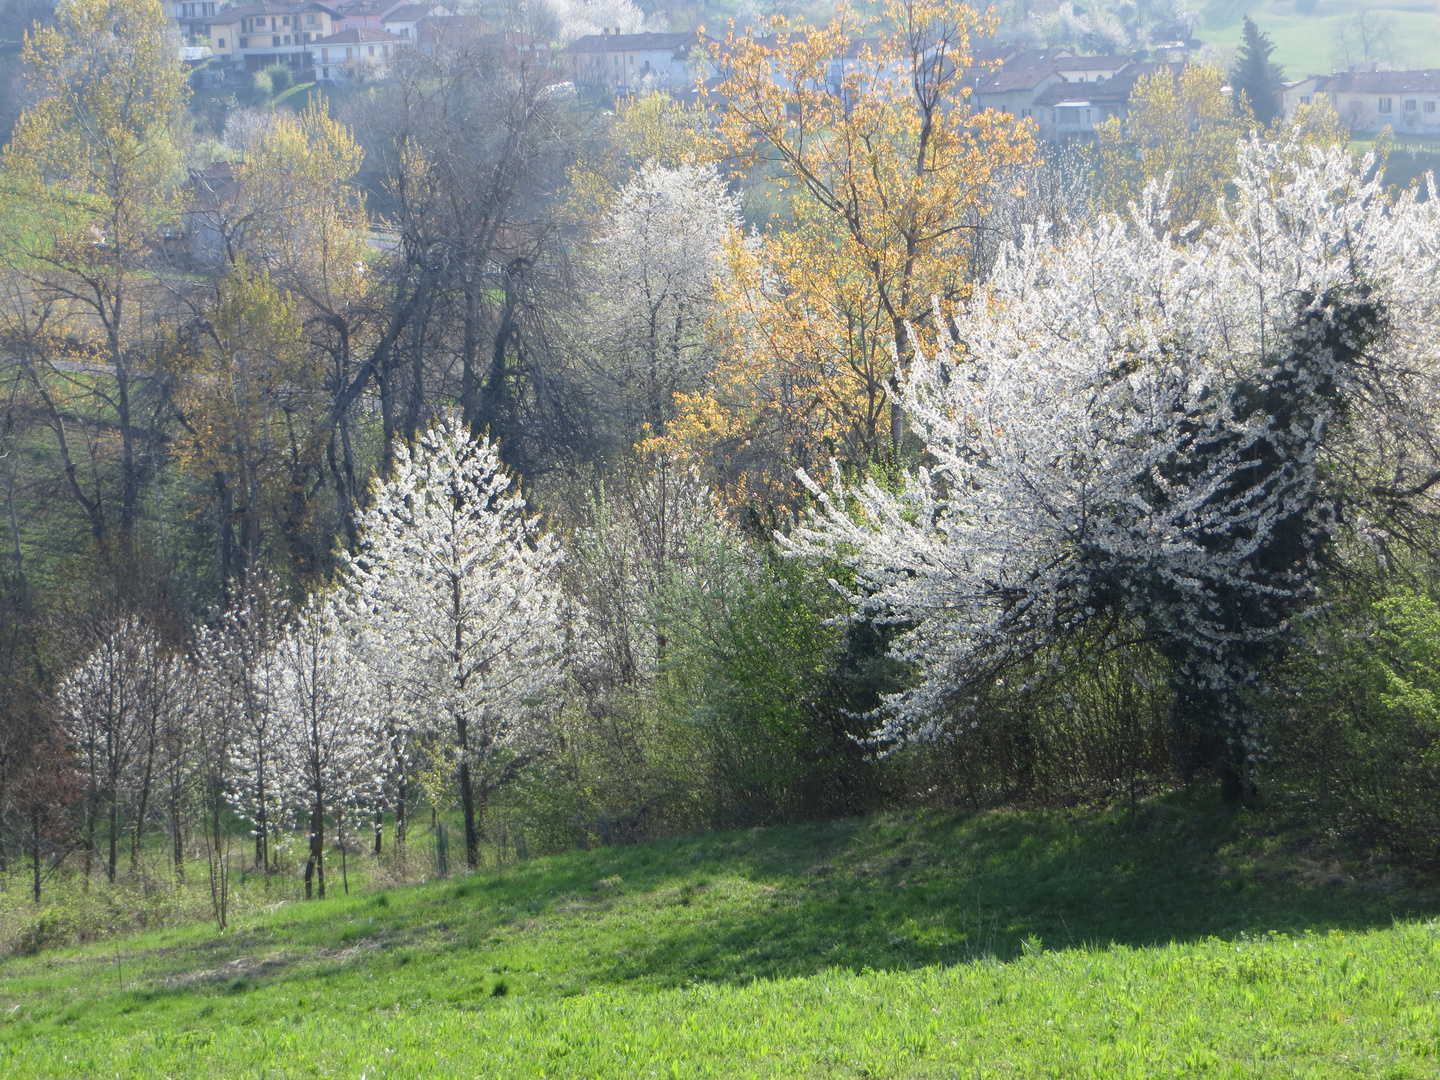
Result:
x=460 y=589
x=333 y=748
x=95 y=159
x=1255 y=80
x=1181 y=127
x=1158 y=441
x=880 y=158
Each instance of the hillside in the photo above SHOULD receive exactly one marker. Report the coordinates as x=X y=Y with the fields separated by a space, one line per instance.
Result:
x=1007 y=944
x=1408 y=31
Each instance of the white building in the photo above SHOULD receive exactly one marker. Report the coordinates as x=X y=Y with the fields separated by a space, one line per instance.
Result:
x=624 y=61
x=1408 y=102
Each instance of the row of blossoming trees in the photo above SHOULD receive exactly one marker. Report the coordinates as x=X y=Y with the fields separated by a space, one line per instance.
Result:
x=1135 y=437
x=447 y=626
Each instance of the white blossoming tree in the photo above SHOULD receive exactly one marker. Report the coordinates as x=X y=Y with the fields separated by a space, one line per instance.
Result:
x=460 y=591
x=654 y=269
x=240 y=668
x=1143 y=434
x=333 y=749
x=114 y=706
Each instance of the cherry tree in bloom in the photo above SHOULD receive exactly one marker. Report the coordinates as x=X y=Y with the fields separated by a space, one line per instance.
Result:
x=576 y=18
x=240 y=669
x=1140 y=433
x=114 y=706
x=655 y=266
x=460 y=593
x=333 y=751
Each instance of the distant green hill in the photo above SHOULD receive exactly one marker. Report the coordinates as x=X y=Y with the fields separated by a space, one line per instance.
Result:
x=1172 y=942
x=1307 y=34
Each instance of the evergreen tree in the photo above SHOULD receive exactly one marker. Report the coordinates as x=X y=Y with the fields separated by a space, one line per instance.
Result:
x=1255 y=77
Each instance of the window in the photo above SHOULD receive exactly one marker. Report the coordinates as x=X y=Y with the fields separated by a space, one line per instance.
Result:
x=1067 y=116
x=1429 y=106
x=1409 y=104
x=1385 y=103
x=1304 y=99
x=275 y=42
x=309 y=20
x=306 y=38
x=385 y=50
x=372 y=50
x=287 y=39
x=324 y=56
x=348 y=55
x=272 y=23
x=324 y=73
x=285 y=21
x=220 y=42
x=1025 y=113
x=243 y=43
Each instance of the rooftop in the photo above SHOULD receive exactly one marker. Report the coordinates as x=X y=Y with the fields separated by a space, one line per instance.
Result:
x=1420 y=81
x=358 y=36
x=633 y=42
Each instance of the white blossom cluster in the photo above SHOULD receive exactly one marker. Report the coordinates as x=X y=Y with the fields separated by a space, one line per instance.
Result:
x=1160 y=430
x=653 y=275
x=449 y=625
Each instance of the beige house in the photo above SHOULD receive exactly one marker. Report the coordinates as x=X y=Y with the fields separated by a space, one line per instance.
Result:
x=257 y=35
x=1408 y=102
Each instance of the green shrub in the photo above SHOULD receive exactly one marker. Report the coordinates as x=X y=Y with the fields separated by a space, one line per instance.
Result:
x=1358 y=737
x=281 y=78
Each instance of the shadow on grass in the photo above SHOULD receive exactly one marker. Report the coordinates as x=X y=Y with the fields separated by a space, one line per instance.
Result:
x=906 y=891
x=892 y=892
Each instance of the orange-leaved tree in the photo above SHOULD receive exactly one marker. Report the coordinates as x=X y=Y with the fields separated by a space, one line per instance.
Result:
x=867 y=129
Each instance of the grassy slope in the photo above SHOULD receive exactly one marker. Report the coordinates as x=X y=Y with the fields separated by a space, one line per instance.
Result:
x=995 y=945
x=1305 y=44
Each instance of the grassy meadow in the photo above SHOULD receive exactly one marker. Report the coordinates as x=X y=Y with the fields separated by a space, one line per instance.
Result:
x=1174 y=941
x=1305 y=41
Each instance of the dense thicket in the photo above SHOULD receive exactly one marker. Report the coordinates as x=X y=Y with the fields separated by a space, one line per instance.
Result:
x=432 y=447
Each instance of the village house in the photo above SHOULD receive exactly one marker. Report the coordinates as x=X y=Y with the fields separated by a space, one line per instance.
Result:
x=1032 y=82
x=255 y=36
x=623 y=62
x=1408 y=102
x=339 y=57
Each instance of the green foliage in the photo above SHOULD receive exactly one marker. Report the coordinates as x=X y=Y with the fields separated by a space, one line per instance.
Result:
x=1165 y=943
x=1256 y=78
x=771 y=686
x=1360 y=738
x=262 y=87
x=1089 y=720
x=280 y=78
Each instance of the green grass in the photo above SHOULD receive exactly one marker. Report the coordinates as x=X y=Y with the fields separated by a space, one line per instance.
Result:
x=1176 y=943
x=1305 y=44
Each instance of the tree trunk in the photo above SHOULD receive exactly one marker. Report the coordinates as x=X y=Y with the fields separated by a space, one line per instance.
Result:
x=177 y=835
x=315 y=865
x=114 y=831
x=138 y=833
x=35 y=848
x=379 y=828
x=467 y=806
x=400 y=821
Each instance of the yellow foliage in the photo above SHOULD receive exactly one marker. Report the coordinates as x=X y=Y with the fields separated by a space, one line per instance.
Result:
x=305 y=223
x=865 y=125
x=252 y=399
x=1184 y=126
x=654 y=127
x=95 y=155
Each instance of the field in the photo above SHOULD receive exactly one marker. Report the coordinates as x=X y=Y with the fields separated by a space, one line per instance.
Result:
x=1171 y=942
x=1306 y=44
